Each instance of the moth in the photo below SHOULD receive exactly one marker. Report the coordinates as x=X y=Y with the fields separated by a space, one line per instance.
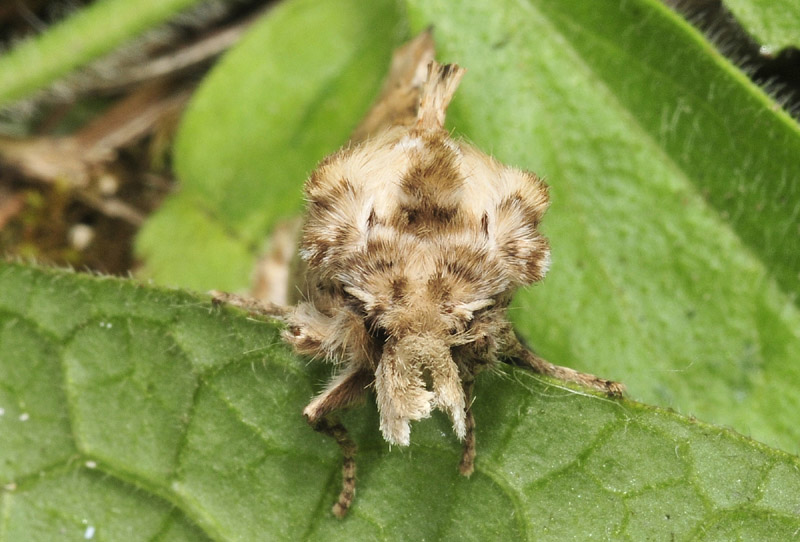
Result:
x=411 y=249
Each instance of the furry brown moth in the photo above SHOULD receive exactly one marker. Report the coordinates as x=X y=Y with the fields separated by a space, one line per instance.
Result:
x=412 y=247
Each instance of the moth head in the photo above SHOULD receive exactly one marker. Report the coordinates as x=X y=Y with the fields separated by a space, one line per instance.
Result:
x=416 y=311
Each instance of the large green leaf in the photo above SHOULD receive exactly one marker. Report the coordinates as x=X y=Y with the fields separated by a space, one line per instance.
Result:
x=775 y=24
x=83 y=37
x=674 y=222
x=288 y=94
x=132 y=413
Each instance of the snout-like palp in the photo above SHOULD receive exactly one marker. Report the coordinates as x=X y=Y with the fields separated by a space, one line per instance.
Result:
x=415 y=375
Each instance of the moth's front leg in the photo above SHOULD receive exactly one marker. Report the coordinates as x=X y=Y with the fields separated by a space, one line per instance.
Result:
x=517 y=352
x=343 y=391
x=328 y=425
x=467 y=465
x=250 y=304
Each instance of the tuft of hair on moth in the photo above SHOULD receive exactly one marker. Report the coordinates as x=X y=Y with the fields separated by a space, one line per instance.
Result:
x=412 y=247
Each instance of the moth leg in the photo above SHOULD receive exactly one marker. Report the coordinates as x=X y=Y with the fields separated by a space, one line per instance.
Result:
x=467 y=465
x=343 y=391
x=522 y=355
x=327 y=425
x=249 y=304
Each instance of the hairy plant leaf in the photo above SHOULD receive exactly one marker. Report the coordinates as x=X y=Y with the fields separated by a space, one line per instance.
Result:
x=273 y=107
x=86 y=35
x=675 y=208
x=134 y=413
x=775 y=24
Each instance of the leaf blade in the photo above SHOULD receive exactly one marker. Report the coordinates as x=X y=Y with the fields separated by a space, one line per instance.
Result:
x=772 y=24
x=551 y=463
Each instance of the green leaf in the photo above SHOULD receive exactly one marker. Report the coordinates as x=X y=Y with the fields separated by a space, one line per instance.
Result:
x=183 y=244
x=88 y=34
x=674 y=217
x=775 y=24
x=134 y=413
x=274 y=106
